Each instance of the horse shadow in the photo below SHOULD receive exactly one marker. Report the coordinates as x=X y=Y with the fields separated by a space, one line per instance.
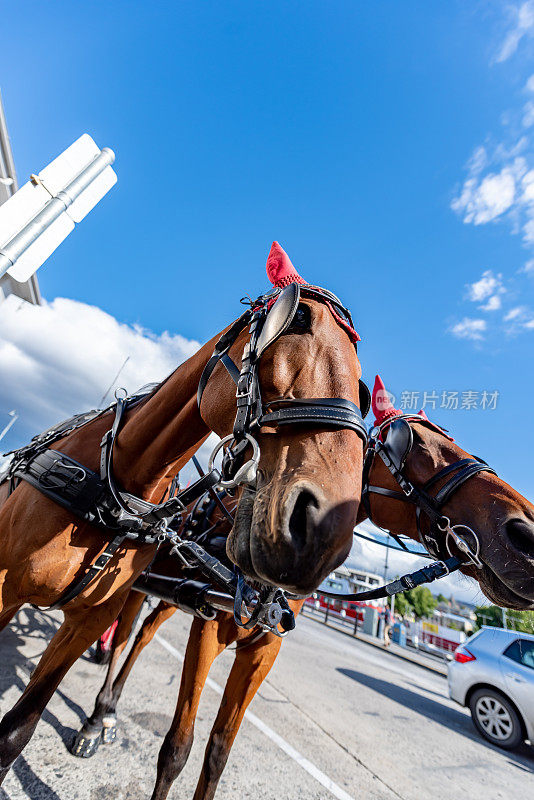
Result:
x=32 y=785
x=32 y=625
x=442 y=714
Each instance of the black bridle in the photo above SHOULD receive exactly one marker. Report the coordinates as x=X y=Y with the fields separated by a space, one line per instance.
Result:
x=269 y=317
x=392 y=441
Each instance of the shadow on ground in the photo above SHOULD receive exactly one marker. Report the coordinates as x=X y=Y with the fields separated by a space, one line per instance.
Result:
x=31 y=624
x=522 y=758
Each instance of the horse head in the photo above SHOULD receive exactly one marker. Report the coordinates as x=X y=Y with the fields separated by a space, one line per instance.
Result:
x=438 y=493
x=295 y=517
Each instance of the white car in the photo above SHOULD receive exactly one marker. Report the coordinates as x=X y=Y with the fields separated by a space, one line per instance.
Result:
x=493 y=674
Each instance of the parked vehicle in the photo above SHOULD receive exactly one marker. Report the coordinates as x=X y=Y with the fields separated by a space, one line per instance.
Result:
x=493 y=674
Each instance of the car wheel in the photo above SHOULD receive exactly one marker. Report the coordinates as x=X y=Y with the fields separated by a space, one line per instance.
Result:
x=496 y=719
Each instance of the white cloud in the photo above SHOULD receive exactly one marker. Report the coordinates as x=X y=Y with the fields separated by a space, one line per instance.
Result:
x=527 y=185
x=523 y=24
x=499 y=188
x=518 y=320
x=528 y=114
x=489 y=284
x=469 y=328
x=506 y=193
x=478 y=161
x=493 y=304
x=59 y=358
x=514 y=313
x=483 y=200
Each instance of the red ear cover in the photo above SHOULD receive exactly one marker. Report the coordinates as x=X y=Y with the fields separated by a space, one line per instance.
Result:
x=280 y=270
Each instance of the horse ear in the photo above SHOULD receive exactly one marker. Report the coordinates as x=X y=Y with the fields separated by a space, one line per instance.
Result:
x=421 y=413
x=382 y=405
x=280 y=270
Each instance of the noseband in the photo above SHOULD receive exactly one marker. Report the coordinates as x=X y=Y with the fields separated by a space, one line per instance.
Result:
x=268 y=318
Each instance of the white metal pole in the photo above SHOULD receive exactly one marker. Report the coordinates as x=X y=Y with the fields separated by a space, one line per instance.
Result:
x=14 y=417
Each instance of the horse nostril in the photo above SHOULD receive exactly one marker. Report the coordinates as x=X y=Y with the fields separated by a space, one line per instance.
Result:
x=300 y=517
x=521 y=535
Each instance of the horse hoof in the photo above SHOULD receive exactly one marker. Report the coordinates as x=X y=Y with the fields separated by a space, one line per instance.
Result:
x=85 y=745
x=109 y=730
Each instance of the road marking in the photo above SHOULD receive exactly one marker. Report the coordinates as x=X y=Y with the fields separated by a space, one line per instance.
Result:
x=303 y=762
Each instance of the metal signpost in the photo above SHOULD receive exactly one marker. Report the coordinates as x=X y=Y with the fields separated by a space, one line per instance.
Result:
x=39 y=216
x=27 y=290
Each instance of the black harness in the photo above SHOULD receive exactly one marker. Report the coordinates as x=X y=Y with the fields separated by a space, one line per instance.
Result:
x=97 y=499
x=393 y=450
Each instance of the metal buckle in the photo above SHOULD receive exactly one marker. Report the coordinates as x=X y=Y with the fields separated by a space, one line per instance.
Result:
x=247 y=376
x=245 y=474
x=452 y=532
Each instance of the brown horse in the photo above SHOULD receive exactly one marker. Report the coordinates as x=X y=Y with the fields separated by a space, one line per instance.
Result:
x=503 y=520
x=495 y=518
x=291 y=533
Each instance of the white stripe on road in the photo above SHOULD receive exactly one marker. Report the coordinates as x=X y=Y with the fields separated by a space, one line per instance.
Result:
x=310 y=768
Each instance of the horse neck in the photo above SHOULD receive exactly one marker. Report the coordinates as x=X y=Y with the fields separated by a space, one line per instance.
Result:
x=162 y=434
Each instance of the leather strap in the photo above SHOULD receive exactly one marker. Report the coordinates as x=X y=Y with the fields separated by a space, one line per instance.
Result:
x=427 y=574
x=221 y=348
x=77 y=587
x=328 y=411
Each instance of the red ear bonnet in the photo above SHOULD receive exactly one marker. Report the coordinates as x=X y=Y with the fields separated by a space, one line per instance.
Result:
x=280 y=270
x=281 y=273
x=382 y=406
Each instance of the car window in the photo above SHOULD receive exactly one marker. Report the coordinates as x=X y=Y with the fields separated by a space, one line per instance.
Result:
x=521 y=651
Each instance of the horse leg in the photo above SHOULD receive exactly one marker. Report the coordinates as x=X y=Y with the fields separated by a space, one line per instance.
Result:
x=248 y=672
x=204 y=645
x=147 y=632
x=101 y=725
x=76 y=634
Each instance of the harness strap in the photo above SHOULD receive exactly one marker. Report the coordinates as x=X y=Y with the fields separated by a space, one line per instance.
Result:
x=328 y=411
x=213 y=493
x=149 y=512
x=65 y=481
x=221 y=348
x=427 y=574
x=76 y=587
x=455 y=483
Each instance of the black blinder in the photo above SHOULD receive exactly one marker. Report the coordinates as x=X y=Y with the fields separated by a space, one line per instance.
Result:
x=279 y=318
x=399 y=441
x=365 y=398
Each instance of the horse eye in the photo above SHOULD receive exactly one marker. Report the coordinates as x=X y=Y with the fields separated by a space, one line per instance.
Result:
x=301 y=321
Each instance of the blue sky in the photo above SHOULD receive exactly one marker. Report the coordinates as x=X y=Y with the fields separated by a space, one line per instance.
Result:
x=387 y=146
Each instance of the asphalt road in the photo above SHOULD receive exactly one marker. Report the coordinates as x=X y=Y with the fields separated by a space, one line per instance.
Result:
x=335 y=718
